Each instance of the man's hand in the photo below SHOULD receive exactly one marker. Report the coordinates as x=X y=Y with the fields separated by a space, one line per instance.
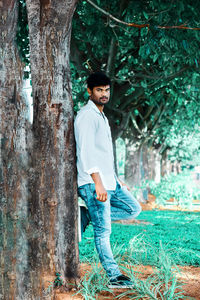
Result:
x=101 y=192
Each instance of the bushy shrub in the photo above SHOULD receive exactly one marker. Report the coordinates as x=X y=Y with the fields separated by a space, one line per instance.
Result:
x=180 y=187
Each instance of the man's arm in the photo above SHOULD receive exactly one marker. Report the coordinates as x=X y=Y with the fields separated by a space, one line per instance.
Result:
x=100 y=190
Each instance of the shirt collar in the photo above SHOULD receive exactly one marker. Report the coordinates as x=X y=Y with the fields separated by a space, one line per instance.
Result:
x=92 y=105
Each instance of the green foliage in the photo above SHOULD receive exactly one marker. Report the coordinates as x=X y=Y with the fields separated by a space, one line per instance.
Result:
x=79 y=92
x=22 y=38
x=177 y=231
x=180 y=132
x=150 y=68
x=181 y=187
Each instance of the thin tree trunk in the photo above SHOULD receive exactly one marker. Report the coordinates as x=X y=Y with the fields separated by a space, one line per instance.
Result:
x=165 y=164
x=178 y=167
x=13 y=162
x=53 y=205
x=154 y=168
x=157 y=166
x=115 y=155
x=137 y=168
x=143 y=171
x=131 y=164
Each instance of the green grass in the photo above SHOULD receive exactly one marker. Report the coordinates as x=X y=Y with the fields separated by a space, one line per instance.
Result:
x=161 y=284
x=177 y=231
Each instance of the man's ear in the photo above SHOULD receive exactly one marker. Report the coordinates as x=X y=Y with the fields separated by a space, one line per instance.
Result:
x=89 y=91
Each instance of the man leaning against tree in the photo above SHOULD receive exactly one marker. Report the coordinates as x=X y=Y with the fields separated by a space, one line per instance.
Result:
x=106 y=197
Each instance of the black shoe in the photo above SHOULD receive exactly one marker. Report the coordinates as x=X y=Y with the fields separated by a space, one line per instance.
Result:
x=121 y=282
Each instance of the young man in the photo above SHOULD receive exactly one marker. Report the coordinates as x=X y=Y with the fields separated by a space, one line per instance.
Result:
x=106 y=197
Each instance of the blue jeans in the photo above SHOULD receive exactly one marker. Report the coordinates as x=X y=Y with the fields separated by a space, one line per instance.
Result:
x=119 y=205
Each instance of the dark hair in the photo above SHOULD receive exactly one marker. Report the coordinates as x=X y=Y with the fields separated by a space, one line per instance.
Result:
x=97 y=79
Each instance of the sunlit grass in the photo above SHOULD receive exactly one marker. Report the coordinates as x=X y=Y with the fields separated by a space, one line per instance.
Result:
x=178 y=231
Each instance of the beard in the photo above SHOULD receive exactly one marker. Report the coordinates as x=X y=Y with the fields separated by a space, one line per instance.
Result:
x=99 y=101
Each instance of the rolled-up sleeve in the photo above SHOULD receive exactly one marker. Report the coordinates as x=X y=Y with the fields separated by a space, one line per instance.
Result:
x=85 y=131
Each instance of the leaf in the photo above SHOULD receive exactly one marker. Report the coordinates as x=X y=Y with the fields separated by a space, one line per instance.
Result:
x=155 y=57
x=196 y=62
x=144 y=83
x=145 y=15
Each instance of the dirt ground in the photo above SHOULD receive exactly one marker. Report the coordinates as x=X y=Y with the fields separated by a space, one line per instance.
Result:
x=190 y=276
x=151 y=204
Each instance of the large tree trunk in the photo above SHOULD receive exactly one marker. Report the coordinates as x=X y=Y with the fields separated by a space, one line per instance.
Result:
x=13 y=162
x=53 y=205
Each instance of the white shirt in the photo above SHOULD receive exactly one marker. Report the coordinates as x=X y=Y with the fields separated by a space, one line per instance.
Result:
x=94 y=148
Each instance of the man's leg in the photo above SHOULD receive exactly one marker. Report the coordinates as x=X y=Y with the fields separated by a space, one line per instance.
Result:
x=100 y=216
x=123 y=204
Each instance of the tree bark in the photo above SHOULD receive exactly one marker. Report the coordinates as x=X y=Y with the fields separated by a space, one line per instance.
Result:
x=153 y=163
x=115 y=155
x=14 y=161
x=131 y=171
x=157 y=166
x=138 y=167
x=53 y=204
x=165 y=164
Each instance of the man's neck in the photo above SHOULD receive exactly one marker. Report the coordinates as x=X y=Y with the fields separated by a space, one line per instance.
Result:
x=100 y=107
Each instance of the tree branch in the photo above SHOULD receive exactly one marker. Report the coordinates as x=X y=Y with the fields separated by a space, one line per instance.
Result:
x=129 y=99
x=178 y=27
x=116 y=19
x=138 y=25
x=135 y=124
x=124 y=123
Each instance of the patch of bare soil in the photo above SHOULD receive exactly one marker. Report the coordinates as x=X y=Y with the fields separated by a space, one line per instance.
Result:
x=189 y=275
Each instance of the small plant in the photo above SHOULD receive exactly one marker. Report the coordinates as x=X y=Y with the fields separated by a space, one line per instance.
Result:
x=54 y=284
x=58 y=280
x=93 y=282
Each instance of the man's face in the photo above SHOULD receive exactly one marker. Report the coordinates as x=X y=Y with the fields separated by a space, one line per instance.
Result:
x=100 y=95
